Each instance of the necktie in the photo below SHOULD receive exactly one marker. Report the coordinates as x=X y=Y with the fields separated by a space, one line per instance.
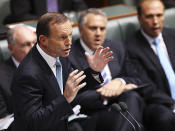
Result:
x=59 y=74
x=52 y=5
x=165 y=62
x=105 y=78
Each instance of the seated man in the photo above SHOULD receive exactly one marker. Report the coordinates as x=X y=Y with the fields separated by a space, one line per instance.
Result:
x=153 y=47
x=20 y=40
x=96 y=100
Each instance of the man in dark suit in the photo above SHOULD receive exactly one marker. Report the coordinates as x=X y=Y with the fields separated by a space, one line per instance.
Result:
x=43 y=91
x=22 y=10
x=159 y=114
x=20 y=41
x=92 y=28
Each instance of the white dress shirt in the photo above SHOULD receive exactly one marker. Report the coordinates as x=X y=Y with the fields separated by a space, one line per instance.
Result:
x=151 y=40
x=49 y=59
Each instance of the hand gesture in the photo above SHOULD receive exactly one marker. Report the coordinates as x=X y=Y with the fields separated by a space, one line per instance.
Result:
x=100 y=58
x=112 y=89
x=73 y=85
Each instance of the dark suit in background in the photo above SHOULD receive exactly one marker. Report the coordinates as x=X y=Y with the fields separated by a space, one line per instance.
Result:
x=91 y=101
x=37 y=95
x=169 y=3
x=7 y=70
x=161 y=103
x=22 y=10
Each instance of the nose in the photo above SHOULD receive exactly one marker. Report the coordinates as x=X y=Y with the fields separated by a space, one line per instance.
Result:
x=98 y=31
x=155 y=20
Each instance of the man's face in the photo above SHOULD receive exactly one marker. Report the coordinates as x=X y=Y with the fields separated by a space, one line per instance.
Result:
x=58 y=44
x=93 y=32
x=25 y=39
x=152 y=18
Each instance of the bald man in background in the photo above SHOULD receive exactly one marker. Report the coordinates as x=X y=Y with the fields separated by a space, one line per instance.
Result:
x=20 y=40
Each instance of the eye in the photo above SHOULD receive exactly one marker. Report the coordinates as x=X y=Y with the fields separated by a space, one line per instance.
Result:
x=102 y=28
x=93 y=28
x=63 y=37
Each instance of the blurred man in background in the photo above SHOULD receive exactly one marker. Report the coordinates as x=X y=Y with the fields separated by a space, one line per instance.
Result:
x=153 y=47
x=20 y=40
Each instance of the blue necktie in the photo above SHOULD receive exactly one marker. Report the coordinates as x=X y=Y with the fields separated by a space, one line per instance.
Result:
x=59 y=74
x=165 y=62
x=52 y=5
x=105 y=78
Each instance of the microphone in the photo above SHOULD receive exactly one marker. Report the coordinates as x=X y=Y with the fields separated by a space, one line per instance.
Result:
x=124 y=107
x=117 y=108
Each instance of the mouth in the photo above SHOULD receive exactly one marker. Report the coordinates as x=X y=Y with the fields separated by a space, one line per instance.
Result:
x=67 y=50
x=97 y=41
x=156 y=29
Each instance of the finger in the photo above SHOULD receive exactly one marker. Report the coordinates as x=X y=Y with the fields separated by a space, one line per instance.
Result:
x=104 y=50
x=108 y=54
x=73 y=73
x=76 y=76
x=81 y=86
x=108 y=59
x=99 y=90
x=99 y=50
x=77 y=82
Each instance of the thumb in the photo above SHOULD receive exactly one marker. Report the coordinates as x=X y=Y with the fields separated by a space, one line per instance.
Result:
x=87 y=56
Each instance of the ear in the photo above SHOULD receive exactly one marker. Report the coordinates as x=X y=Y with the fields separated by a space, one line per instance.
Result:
x=43 y=41
x=10 y=47
x=80 y=30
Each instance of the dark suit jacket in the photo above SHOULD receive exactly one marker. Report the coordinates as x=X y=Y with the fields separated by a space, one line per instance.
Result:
x=140 y=50
x=120 y=67
x=38 y=102
x=7 y=70
x=32 y=9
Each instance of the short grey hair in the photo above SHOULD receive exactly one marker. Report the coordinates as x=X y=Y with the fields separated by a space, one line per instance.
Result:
x=11 y=36
x=83 y=15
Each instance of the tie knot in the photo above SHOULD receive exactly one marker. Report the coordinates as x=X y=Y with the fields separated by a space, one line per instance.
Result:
x=156 y=41
x=58 y=63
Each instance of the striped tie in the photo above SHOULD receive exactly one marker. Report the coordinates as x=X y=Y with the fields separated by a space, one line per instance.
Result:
x=105 y=78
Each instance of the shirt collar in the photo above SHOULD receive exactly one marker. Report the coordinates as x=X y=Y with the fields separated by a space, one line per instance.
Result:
x=49 y=59
x=86 y=48
x=15 y=61
x=150 y=39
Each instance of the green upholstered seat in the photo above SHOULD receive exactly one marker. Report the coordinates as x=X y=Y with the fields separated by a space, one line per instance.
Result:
x=170 y=18
x=4 y=51
x=117 y=29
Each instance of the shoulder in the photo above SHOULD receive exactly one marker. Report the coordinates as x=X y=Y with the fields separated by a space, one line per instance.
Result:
x=168 y=31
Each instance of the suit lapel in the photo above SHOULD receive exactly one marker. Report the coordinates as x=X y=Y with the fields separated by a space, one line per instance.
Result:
x=150 y=53
x=114 y=66
x=79 y=52
x=47 y=72
x=170 y=45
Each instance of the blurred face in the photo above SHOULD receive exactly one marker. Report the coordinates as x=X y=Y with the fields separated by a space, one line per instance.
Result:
x=25 y=39
x=93 y=32
x=152 y=18
x=58 y=44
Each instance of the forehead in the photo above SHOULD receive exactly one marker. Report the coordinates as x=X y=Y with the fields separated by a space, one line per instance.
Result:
x=24 y=34
x=62 y=28
x=95 y=20
x=152 y=7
